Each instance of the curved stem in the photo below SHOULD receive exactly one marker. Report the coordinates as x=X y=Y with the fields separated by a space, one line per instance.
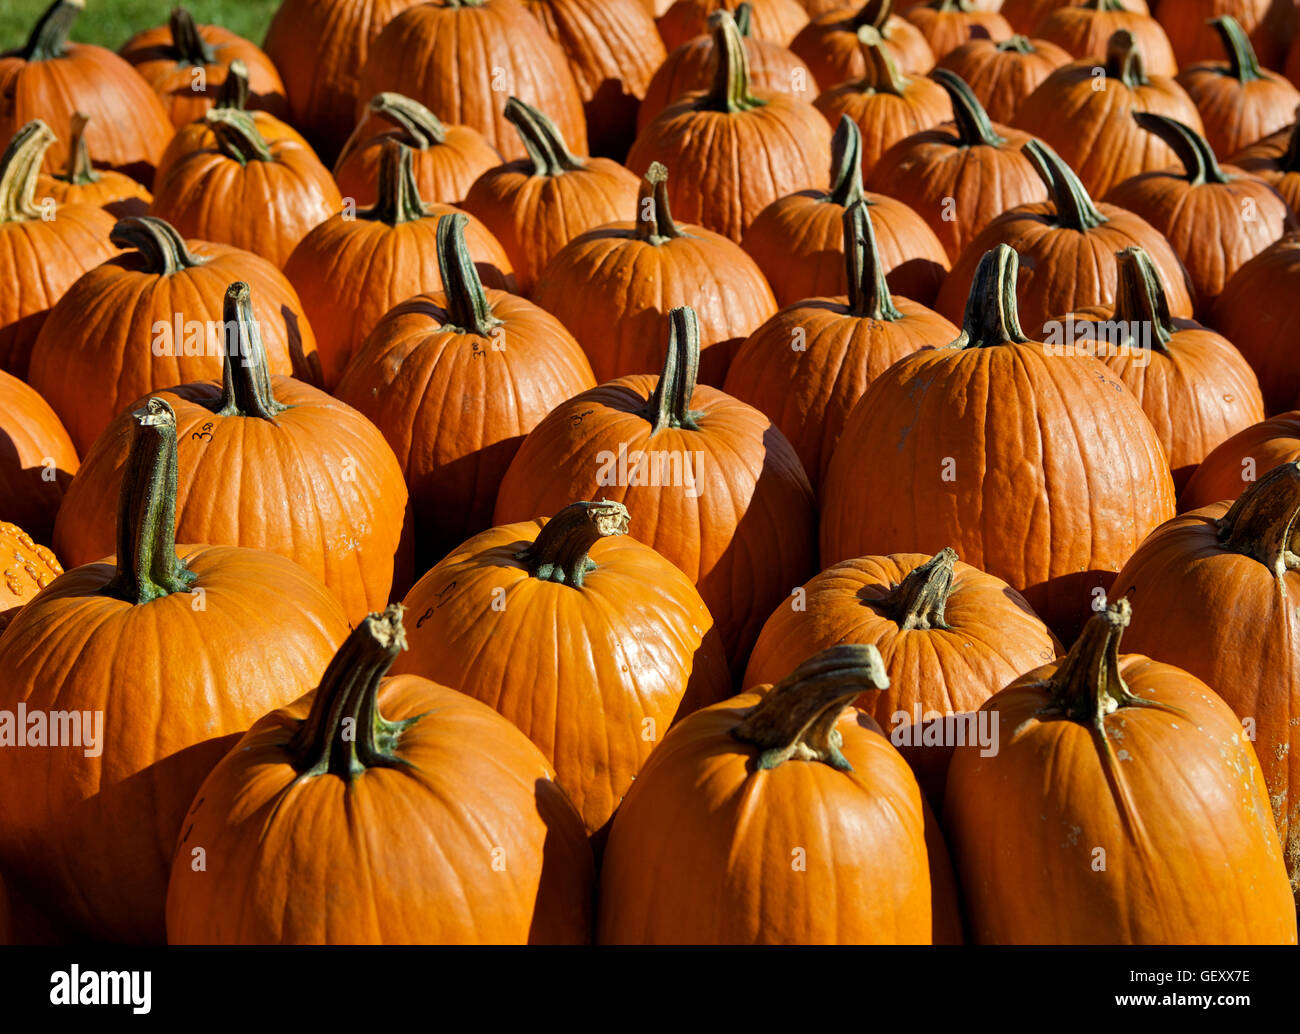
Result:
x=246 y=384
x=1262 y=523
x=422 y=127
x=79 y=170
x=992 y=315
x=874 y=13
x=881 y=75
x=1074 y=208
x=19 y=168
x=162 y=248
x=147 y=564
x=1243 y=65
x=559 y=553
x=654 y=219
x=869 y=296
x=191 y=47
x=1140 y=299
x=974 y=129
x=344 y=734
x=49 y=36
x=1193 y=152
x=795 y=720
x=398 y=198
x=468 y=308
x=846 y=163
x=744 y=16
x=1124 y=60
x=542 y=140
x=669 y=406
x=237 y=136
x=234 y=90
x=730 y=89
x=918 y=601
x=1020 y=44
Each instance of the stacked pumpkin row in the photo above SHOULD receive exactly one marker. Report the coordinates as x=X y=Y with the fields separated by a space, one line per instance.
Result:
x=432 y=362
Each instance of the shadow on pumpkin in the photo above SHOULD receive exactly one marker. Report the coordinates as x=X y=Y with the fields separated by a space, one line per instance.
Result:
x=28 y=498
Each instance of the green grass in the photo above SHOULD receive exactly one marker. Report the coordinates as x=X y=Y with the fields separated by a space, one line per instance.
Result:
x=110 y=23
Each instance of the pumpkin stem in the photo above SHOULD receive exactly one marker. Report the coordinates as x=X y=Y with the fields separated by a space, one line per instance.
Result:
x=963 y=6
x=874 y=13
x=846 y=163
x=669 y=406
x=1193 y=152
x=344 y=734
x=918 y=601
x=467 y=305
x=730 y=90
x=973 y=125
x=147 y=564
x=49 y=37
x=234 y=89
x=881 y=74
x=237 y=135
x=1020 y=44
x=1124 y=60
x=246 y=384
x=157 y=241
x=19 y=168
x=795 y=720
x=79 y=170
x=654 y=219
x=992 y=315
x=422 y=127
x=1074 y=208
x=869 y=296
x=398 y=198
x=559 y=553
x=1290 y=161
x=542 y=140
x=190 y=46
x=744 y=16
x=1243 y=65
x=1140 y=298
x=1262 y=523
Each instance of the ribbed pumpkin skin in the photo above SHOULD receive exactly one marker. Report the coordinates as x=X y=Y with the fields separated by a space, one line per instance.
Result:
x=597 y=673
x=94 y=836
x=775 y=20
x=25 y=569
x=409 y=857
x=947 y=30
x=886 y=118
x=115 y=192
x=1002 y=79
x=747 y=536
x=96 y=356
x=1182 y=815
x=1084 y=32
x=198 y=136
x=318 y=486
x=1268 y=23
x=443 y=172
x=1051 y=496
x=991 y=637
x=1266 y=159
x=829 y=46
x=1248 y=454
x=453 y=60
x=729 y=835
x=32 y=434
x=1238 y=114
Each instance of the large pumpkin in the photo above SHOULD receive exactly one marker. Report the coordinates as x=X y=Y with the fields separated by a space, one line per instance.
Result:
x=1082 y=29
x=333 y=789
x=212 y=637
x=830 y=46
x=1002 y=74
x=611 y=644
x=80 y=183
x=775 y=20
x=25 y=569
x=37 y=462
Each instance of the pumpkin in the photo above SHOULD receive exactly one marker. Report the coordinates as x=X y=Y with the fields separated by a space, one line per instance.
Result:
x=1003 y=74
x=1215 y=218
x=798 y=241
x=25 y=569
x=887 y=107
x=502 y=361
x=613 y=288
x=829 y=43
x=1088 y=118
x=536 y=205
x=213 y=637
x=1231 y=468
x=1271 y=24
x=1025 y=15
x=464 y=58
x=961 y=175
x=152 y=318
x=37 y=461
x=769 y=807
x=1239 y=102
x=1051 y=494
x=611 y=643
x=266 y=463
x=1083 y=29
x=79 y=183
x=613 y=49
x=1276 y=160
x=421 y=756
x=51 y=79
x=808 y=364
x=186 y=63
x=319 y=47
x=257 y=194
x=353 y=268
x=949 y=636
x=1123 y=806
x=947 y=24
x=1069 y=243
x=776 y=20
x=713 y=485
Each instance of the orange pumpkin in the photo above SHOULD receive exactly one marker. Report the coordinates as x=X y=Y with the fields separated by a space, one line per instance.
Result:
x=38 y=460
x=1271 y=25
x=79 y=183
x=1276 y=160
x=947 y=24
x=25 y=569
x=776 y=20
x=1003 y=74
x=829 y=43
x=1083 y=28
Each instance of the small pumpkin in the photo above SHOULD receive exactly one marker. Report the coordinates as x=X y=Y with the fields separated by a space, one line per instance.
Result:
x=829 y=43
x=25 y=569
x=1083 y=28
x=1237 y=463
x=1002 y=74
x=947 y=24
x=38 y=460
x=79 y=183
x=1276 y=160
x=776 y=20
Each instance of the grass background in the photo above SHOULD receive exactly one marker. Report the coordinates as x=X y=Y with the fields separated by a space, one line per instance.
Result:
x=110 y=23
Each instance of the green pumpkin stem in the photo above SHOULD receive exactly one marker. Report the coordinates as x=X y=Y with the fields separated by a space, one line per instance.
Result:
x=468 y=308
x=162 y=248
x=423 y=129
x=795 y=720
x=1263 y=522
x=237 y=136
x=246 y=380
x=1124 y=60
x=730 y=89
x=79 y=171
x=147 y=564
x=974 y=128
x=881 y=75
x=1074 y=208
x=19 y=168
x=49 y=37
x=1189 y=146
x=559 y=553
x=744 y=16
x=1243 y=65
x=344 y=734
x=398 y=198
x=669 y=406
x=992 y=315
x=1020 y=44
x=542 y=140
x=191 y=48
x=846 y=163
x=918 y=601
x=234 y=90
x=654 y=219
x=1140 y=299
x=869 y=296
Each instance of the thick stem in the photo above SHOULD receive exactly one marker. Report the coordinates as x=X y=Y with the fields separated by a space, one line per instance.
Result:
x=398 y=198
x=974 y=129
x=234 y=90
x=846 y=163
x=344 y=734
x=49 y=37
x=730 y=89
x=795 y=720
x=1193 y=152
x=654 y=219
x=79 y=170
x=874 y=13
x=992 y=315
x=868 y=290
x=1243 y=65
x=237 y=136
x=669 y=406
x=918 y=601
x=147 y=564
x=1140 y=299
x=881 y=74
x=246 y=382
x=157 y=241
x=19 y=168
x=1262 y=523
x=421 y=126
x=1124 y=60
x=191 y=48
x=542 y=140
x=559 y=553
x=1020 y=44
x=468 y=308
x=1074 y=208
